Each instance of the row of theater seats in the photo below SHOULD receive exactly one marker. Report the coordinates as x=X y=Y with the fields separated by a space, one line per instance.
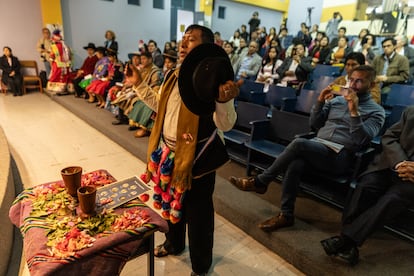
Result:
x=269 y=121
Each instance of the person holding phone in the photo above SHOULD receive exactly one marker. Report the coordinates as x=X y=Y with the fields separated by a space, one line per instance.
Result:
x=350 y=122
x=353 y=60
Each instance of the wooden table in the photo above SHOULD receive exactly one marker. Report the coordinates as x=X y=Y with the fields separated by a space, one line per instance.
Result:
x=106 y=255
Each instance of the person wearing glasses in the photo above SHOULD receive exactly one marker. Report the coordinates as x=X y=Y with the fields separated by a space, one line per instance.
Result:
x=390 y=66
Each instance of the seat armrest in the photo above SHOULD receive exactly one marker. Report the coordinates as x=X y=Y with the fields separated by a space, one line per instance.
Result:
x=308 y=135
x=362 y=159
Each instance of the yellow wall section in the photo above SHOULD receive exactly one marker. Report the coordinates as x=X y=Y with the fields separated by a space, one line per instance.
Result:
x=51 y=12
x=206 y=6
x=278 y=5
x=348 y=12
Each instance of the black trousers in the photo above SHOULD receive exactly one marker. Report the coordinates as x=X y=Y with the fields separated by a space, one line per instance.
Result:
x=300 y=155
x=378 y=199
x=198 y=214
x=78 y=90
x=15 y=84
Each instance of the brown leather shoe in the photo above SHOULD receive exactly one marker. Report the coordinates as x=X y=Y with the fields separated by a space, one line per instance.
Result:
x=141 y=133
x=247 y=184
x=276 y=222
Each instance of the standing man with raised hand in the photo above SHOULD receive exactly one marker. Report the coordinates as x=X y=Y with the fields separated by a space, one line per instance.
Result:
x=184 y=150
x=333 y=24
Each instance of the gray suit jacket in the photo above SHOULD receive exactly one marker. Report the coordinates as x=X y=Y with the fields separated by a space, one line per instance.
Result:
x=397 y=143
x=254 y=65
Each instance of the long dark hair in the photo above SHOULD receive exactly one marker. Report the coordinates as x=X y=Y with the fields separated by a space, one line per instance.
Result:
x=266 y=60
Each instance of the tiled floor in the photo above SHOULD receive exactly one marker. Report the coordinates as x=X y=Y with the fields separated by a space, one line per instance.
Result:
x=44 y=137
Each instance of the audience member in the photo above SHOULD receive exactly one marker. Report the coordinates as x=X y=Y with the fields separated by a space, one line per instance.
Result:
x=301 y=32
x=170 y=61
x=320 y=54
x=217 y=39
x=254 y=36
x=174 y=45
x=283 y=33
x=332 y=26
x=349 y=122
x=306 y=38
x=123 y=97
x=254 y=23
x=235 y=39
x=261 y=37
x=99 y=86
x=157 y=58
x=276 y=43
x=316 y=41
x=383 y=192
x=338 y=53
x=167 y=47
x=334 y=41
x=243 y=33
x=271 y=36
x=100 y=71
x=242 y=48
x=352 y=61
x=356 y=44
x=390 y=66
x=10 y=67
x=87 y=69
x=314 y=31
x=368 y=44
x=141 y=117
x=110 y=42
x=228 y=47
x=267 y=73
x=296 y=67
x=288 y=50
x=403 y=49
x=43 y=47
x=249 y=63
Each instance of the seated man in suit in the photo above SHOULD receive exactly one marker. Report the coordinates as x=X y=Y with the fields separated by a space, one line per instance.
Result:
x=384 y=190
x=390 y=66
x=346 y=124
x=249 y=63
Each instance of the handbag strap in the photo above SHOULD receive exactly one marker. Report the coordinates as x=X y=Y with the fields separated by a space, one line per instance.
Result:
x=210 y=139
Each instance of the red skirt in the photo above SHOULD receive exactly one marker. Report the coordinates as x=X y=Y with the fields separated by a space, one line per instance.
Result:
x=98 y=87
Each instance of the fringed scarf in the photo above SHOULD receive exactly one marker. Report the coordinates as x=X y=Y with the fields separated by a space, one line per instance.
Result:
x=187 y=131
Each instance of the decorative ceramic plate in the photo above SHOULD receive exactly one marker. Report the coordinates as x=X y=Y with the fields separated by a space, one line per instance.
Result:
x=113 y=195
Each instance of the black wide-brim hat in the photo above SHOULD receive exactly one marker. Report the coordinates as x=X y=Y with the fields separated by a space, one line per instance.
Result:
x=90 y=46
x=201 y=73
